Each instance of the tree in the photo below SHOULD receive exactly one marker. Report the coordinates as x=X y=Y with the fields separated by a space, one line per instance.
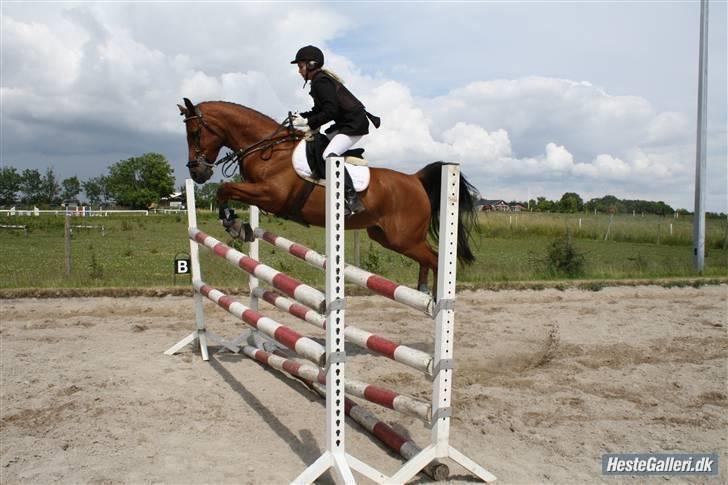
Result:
x=571 y=202
x=205 y=194
x=139 y=181
x=608 y=204
x=95 y=189
x=9 y=186
x=544 y=205
x=31 y=186
x=50 y=188
x=71 y=188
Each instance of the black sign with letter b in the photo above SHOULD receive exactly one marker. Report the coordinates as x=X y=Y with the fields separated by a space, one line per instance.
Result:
x=182 y=266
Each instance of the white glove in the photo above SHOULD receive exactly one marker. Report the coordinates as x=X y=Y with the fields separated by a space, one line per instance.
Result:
x=300 y=123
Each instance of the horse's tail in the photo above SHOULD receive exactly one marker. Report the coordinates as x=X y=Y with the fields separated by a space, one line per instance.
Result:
x=430 y=177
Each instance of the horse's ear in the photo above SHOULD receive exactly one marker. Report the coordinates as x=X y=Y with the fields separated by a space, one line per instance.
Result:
x=183 y=111
x=189 y=105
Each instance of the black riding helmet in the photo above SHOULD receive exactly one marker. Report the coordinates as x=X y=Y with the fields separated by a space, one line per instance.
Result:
x=310 y=54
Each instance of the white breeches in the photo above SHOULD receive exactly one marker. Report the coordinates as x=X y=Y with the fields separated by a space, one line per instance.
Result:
x=340 y=143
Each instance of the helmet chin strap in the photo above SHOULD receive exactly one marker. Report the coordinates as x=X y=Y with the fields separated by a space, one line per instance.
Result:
x=306 y=78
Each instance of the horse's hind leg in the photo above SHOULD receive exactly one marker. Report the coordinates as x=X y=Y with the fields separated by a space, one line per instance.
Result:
x=427 y=257
x=422 y=279
x=421 y=252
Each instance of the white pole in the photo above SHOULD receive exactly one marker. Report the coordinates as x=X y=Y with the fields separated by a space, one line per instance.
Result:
x=254 y=252
x=445 y=318
x=196 y=272
x=67 y=244
x=444 y=341
x=335 y=456
x=335 y=354
x=700 y=163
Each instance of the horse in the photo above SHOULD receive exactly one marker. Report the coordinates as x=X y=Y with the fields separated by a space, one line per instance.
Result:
x=402 y=210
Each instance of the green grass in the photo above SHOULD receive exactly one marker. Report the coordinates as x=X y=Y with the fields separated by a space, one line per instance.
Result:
x=138 y=251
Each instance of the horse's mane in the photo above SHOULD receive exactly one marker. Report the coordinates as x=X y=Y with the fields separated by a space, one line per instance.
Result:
x=264 y=117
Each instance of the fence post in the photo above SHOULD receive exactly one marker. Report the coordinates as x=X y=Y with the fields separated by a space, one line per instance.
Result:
x=609 y=226
x=658 y=233
x=67 y=239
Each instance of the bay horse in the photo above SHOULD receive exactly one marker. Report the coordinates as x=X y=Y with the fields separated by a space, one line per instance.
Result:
x=401 y=209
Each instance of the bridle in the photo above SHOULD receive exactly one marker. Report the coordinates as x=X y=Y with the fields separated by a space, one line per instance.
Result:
x=200 y=157
x=236 y=158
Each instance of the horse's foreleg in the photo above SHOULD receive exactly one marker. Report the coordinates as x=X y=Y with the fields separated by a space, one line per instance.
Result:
x=243 y=192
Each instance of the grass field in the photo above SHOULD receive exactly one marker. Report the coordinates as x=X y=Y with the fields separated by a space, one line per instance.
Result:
x=138 y=251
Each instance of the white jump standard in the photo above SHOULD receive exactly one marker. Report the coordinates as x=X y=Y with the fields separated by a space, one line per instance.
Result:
x=308 y=304
x=440 y=366
x=200 y=334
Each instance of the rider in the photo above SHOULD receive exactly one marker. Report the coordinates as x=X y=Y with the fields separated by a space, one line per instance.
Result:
x=332 y=101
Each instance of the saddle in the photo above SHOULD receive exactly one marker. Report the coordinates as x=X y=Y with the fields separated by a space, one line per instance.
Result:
x=309 y=164
x=316 y=143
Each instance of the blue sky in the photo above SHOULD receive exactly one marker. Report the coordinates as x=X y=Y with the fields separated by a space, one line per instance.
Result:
x=534 y=98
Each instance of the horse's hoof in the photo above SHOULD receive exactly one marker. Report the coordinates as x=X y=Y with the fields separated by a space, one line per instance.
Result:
x=235 y=229
x=249 y=234
x=424 y=289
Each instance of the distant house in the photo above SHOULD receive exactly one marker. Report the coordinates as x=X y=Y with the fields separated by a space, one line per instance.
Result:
x=175 y=200
x=517 y=208
x=493 y=205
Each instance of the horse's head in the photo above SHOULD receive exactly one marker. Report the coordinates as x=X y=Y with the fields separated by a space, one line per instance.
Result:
x=203 y=141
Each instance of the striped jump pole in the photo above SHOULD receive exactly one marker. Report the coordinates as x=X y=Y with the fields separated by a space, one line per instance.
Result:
x=303 y=346
x=374 y=394
x=406 y=448
x=414 y=358
x=382 y=286
x=290 y=286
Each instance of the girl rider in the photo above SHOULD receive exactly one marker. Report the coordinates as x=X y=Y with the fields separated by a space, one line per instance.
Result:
x=332 y=101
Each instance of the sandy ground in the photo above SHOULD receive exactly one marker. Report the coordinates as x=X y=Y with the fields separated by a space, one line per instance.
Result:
x=545 y=383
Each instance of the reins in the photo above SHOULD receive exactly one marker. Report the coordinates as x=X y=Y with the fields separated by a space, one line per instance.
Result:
x=236 y=158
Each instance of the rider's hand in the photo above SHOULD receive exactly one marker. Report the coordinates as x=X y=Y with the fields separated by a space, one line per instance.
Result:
x=300 y=123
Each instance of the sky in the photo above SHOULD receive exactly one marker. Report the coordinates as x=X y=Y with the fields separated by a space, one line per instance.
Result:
x=532 y=98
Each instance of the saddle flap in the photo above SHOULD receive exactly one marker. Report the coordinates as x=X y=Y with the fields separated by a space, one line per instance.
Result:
x=358 y=170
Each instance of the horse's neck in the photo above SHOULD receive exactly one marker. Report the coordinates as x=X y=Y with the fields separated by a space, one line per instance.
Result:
x=244 y=128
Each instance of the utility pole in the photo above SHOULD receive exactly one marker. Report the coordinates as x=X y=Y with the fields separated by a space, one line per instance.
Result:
x=700 y=163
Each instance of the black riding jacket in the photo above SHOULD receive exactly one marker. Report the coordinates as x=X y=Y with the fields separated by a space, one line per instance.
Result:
x=332 y=101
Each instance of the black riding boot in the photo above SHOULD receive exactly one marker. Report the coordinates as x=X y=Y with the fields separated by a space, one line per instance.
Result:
x=352 y=203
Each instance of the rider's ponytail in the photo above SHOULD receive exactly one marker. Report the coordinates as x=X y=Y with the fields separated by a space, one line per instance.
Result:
x=333 y=75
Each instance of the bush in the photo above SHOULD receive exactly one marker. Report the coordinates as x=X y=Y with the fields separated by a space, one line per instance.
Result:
x=563 y=259
x=372 y=262
x=95 y=269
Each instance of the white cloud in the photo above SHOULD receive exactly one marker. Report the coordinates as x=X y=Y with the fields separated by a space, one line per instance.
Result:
x=471 y=142
x=32 y=51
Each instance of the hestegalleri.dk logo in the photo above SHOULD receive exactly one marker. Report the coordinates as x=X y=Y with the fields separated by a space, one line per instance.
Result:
x=660 y=464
